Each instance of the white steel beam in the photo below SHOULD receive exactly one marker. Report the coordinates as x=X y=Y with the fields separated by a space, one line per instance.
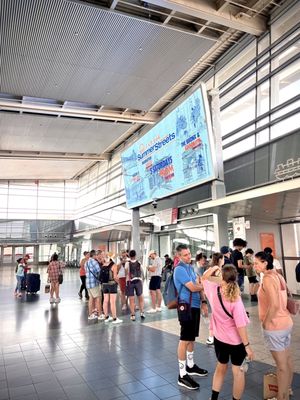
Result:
x=207 y=10
x=119 y=116
x=38 y=155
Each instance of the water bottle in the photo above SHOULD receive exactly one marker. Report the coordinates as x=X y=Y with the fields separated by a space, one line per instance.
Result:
x=245 y=365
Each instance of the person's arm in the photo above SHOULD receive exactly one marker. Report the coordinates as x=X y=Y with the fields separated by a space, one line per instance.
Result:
x=244 y=336
x=271 y=290
x=210 y=272
x=241 y=264
x=194 y=287
x=153 y=267
x=114 y=269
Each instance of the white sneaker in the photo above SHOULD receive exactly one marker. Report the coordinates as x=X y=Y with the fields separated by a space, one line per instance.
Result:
x=151 y=311
x=124 y=307
x=101 y=317
x=210 y=340
x=158 y=309
x=57 y=300
x=92 y=316
x=51 y=300
x=117 y=321
x=109 y=319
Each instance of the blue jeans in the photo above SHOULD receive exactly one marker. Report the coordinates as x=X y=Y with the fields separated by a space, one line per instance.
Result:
x=241 y=281
x=19 y=283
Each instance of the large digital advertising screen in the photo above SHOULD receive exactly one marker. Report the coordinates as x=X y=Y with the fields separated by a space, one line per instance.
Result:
x=171 y=157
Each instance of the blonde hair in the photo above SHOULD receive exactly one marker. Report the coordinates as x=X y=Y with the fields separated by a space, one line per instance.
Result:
x=231 y=290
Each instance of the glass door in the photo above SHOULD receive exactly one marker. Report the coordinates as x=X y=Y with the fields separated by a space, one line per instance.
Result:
x=290 y=238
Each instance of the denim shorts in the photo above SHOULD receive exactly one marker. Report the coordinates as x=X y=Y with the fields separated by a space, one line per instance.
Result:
x=277 y=340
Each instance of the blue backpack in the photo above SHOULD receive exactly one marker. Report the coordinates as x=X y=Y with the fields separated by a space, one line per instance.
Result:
x=170 y=294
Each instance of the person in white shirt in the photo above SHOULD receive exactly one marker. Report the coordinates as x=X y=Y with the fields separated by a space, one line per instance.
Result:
x=155 y=271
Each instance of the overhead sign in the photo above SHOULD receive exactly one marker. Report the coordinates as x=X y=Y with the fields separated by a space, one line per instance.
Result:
x=173 y=156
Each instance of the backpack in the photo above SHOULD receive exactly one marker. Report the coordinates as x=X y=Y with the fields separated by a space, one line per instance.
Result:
x=135 y=270
x=297 y=270
x=106 y=274
x=170 y=294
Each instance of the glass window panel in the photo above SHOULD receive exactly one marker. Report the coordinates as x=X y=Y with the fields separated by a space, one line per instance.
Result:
x=285 y=126
x=237 y=90
x=285 y=23
x=238 y=135
x=263 y=43
x=286 y=84
x=238 y=113
x=238 y=148
x=263 y=98
x=263 y=136
x=263 y=71
x=236 y=64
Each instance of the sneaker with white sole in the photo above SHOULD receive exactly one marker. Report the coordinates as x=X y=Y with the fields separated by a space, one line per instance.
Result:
x=188 y=382
x=132 y=317
x=117 y=321
x=51 y=300
x=101 y=317
x=57 y=300
x=151 y=311
x=92 y=317
x=143 y=315
x=108 y=319
x=158 y=309
x=196 y=371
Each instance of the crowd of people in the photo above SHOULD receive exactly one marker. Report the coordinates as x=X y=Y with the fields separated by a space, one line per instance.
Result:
x=217 y=282
x=220 y=283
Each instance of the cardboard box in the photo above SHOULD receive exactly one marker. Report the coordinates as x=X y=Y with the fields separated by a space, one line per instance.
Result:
x=270 y=385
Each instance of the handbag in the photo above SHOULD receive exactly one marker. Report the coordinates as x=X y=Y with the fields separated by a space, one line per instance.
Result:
x=60 y=278
x=47 y=288
x=293 y=305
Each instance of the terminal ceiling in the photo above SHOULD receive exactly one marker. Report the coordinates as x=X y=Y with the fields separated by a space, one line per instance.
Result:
x=78 y=78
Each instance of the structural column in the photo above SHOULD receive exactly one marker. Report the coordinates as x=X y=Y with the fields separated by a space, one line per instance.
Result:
x=36 y=254
x=218 y=189
x=135 y=231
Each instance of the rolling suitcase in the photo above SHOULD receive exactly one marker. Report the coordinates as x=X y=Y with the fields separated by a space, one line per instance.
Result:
x=33 y=283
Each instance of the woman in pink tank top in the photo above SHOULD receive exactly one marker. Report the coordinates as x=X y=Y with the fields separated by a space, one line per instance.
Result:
x=276 y=320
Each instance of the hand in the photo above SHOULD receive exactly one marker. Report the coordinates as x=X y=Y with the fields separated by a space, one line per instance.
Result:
x=204 y=309
x=250 y=353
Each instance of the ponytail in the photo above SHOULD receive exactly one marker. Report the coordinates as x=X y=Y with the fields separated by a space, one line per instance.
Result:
x=231 y=290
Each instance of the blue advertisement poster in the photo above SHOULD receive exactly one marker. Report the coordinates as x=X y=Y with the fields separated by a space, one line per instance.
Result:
x=174 y=155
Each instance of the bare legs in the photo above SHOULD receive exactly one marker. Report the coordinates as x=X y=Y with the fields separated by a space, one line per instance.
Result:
x=54 y=289
x=238 y=379
x=284 y=365
x=156 y=298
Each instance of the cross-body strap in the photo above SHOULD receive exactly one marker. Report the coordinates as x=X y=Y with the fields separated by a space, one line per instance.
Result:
x=222 y=304
x=92 y=272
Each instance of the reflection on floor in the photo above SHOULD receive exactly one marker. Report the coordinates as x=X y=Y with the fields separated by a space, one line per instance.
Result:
x=53 y=352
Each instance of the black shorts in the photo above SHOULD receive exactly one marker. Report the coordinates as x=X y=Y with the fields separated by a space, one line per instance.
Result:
x=134 y=286
x=111 y=288
x=252 y=279
x=190 y=329
x=224 y=352
x=155 y=282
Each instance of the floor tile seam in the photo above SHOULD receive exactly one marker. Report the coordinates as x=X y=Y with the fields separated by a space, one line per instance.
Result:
x=31 y=384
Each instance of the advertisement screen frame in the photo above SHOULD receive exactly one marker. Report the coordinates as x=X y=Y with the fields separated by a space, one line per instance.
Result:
x=131 y=158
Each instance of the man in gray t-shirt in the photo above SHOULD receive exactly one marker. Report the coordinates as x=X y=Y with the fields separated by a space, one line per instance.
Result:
x=155 y=270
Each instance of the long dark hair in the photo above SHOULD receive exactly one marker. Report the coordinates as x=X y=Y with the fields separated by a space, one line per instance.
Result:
x=263 y=256
x=216 y=257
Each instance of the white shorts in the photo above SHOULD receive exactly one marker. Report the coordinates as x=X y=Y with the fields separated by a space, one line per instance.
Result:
x=278 y=340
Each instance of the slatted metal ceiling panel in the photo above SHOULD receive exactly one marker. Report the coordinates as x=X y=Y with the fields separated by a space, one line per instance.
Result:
x=69 y=51
x=21 y=132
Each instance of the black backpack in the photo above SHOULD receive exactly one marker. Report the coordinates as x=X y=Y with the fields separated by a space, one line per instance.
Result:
x=106 y=274
x=135 y=270
x=297 y=270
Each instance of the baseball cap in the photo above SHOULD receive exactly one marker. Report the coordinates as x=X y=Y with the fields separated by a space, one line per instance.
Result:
x=224 y=249
x=151 y=252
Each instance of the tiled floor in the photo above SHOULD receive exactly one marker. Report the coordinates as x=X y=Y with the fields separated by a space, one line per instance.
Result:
x=52 y=352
